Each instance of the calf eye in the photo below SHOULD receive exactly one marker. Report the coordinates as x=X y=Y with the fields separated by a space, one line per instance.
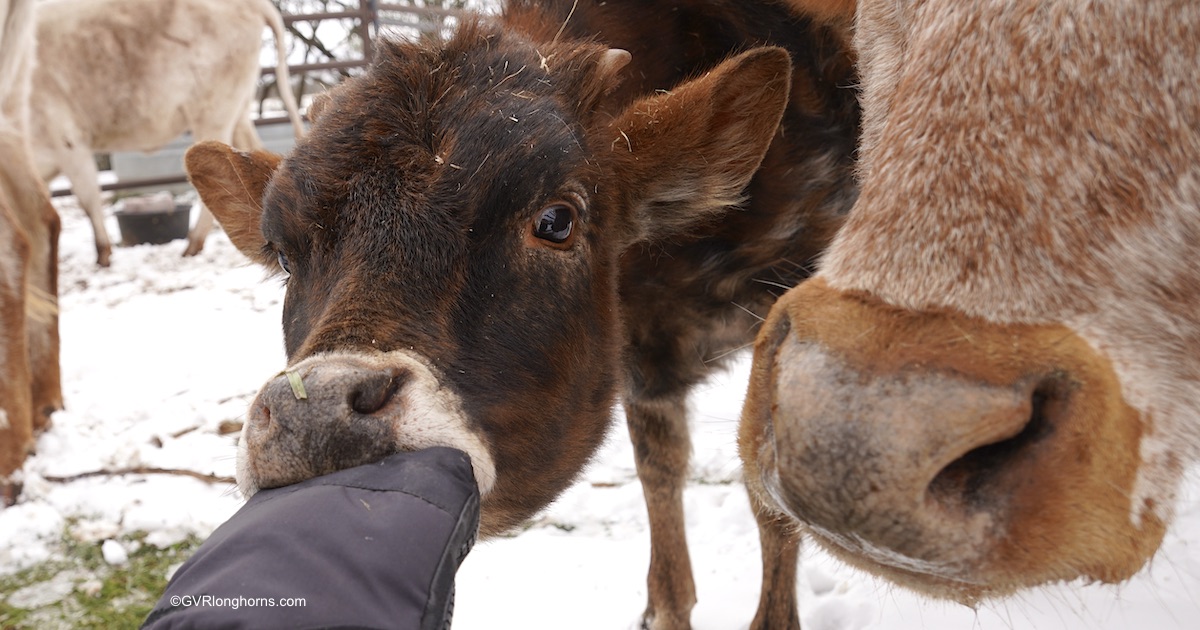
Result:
x=283 y=262
x=554 y=223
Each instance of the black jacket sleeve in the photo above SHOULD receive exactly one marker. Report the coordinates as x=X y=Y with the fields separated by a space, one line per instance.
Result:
x=375 y=546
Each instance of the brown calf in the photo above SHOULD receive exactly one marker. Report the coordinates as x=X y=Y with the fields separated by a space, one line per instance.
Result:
x=489 y=239
x=30 y=380
x=994 y=380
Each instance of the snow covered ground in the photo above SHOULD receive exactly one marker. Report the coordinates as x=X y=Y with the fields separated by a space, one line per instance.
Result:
x=160 y=353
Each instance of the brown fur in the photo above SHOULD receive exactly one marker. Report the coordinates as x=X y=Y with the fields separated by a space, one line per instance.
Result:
x=836 y=11
x=209 y=165
x=16 y=409
x=694 y=204
x=992 y=382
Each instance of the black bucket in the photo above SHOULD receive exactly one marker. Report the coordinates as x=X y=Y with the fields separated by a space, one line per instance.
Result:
x=155 y=227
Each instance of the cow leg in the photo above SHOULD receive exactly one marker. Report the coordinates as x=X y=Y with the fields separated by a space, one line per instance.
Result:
x=16 y=427
x=79 y=165
x=662 y=447
x=242 y=131
x=245 y=137
x=780 y=539
x=42 y=224
x=199 y=232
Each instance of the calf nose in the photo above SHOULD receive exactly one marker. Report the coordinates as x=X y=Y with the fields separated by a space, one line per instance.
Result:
x=918 y=464
x=954 y=455
x=320 y=418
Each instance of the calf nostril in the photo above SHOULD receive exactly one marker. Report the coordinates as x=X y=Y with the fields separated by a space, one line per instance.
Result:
x=373 y=392
x=971 y=480
x=259 y=416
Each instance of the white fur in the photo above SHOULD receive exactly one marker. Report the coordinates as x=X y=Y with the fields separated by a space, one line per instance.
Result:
x=123 y=75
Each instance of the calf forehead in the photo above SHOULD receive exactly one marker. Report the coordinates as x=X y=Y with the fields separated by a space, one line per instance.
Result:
x=458 y=137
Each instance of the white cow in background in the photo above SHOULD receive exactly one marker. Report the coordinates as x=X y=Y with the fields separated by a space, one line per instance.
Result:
x=132 y=75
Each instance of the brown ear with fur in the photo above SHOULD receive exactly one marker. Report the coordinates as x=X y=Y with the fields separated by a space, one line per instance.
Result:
x=231 y=183
x=686 y=156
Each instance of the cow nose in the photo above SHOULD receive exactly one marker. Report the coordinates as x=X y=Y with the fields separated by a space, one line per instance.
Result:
x=322 y=417
x=905 y=462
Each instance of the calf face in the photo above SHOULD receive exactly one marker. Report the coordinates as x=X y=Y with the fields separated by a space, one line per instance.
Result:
x=451 y=232
x=991 y=382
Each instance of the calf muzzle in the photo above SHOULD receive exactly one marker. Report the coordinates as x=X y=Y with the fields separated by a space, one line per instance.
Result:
x=337 y=410
x=958 y=457
x=320 y=419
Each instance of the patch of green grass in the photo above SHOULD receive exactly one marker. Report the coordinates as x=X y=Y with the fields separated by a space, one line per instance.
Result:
x=93 y=593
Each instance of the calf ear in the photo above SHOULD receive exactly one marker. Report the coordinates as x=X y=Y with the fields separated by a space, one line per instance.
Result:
x=231 y=183
x=685 y=156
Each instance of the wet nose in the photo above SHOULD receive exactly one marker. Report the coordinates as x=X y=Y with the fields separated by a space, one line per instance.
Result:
x=323 y=418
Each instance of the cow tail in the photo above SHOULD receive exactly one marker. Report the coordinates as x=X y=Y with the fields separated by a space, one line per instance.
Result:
x=283 y=79
x=16 y=46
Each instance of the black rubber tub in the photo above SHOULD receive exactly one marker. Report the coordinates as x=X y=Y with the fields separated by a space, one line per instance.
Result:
x=154 y=227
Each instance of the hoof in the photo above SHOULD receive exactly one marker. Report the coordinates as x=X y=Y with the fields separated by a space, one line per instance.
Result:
x=9 y=492
x=43 y=421
x=651 y=621
x=193 y=248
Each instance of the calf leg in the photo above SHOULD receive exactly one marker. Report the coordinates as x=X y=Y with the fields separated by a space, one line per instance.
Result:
x=34 y=218
x=245 y=137
x=236 y=134
x=780 y=539
x=662 y=447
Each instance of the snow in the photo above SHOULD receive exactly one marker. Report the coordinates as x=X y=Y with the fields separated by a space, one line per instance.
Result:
x=114 y=552
x=161 y=353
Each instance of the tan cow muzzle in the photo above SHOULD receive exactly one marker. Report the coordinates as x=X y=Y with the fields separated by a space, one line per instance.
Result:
x=955 y=456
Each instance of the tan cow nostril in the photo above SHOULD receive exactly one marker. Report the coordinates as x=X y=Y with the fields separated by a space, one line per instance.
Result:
x=373 y=392
x=975 y=480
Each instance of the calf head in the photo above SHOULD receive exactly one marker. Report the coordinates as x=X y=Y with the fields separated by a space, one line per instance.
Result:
x=450 y=232
x=992 y=382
